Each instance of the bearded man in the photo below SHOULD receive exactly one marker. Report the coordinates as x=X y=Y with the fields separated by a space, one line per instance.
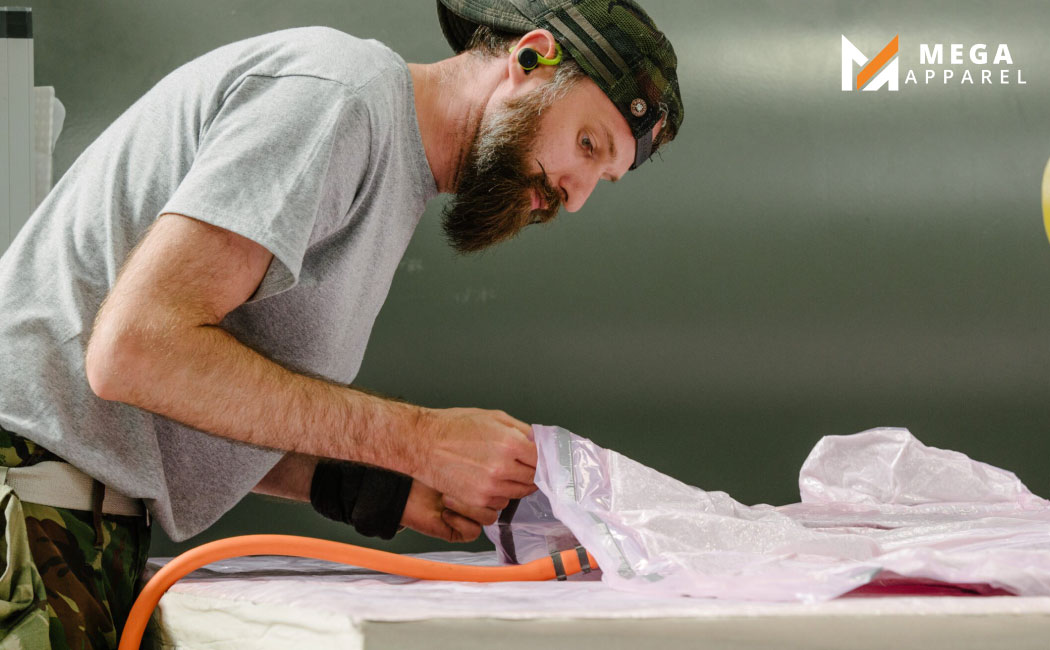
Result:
x=184 y=313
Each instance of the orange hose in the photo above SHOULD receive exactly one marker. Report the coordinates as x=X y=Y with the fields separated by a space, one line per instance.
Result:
x=320 y=549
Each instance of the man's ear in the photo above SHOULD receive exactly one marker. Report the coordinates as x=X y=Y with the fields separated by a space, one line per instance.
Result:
x=540 y=40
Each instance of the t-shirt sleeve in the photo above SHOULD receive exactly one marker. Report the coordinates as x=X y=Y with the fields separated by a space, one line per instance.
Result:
x=281 y=159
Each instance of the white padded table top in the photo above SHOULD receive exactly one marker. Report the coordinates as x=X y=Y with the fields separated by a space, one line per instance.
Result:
x=270 y=602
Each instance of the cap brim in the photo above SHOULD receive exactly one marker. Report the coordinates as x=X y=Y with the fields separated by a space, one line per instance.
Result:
x=457 y=30
x=458 y=26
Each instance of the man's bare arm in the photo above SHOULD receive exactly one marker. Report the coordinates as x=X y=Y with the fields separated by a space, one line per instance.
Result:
x=157 y=344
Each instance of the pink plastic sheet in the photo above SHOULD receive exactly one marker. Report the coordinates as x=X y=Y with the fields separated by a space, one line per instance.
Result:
x=880 y=513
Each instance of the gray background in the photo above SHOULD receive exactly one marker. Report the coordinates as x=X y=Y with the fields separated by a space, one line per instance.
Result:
x=802 y=261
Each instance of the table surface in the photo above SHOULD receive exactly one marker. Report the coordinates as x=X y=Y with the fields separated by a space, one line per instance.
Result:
x=269 y=602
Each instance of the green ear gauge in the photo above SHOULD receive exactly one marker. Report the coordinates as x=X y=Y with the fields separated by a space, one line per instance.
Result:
x=529 y=58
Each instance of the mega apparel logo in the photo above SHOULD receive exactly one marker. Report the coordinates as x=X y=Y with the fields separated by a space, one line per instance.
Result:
x=883 y=70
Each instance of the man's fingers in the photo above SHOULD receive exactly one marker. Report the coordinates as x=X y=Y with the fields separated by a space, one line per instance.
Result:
x=435 y=528
x=527 y=450
x=530 y=459
x=463 y=529
x=521 y=473
x=498 y=494
x=515 y=490
x=493 y=494
x=483 y=516
x=497 y=503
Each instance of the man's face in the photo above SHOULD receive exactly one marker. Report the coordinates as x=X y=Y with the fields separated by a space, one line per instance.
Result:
x=529 y=158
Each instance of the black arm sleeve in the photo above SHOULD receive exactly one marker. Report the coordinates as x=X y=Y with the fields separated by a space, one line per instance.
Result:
x=370 y=499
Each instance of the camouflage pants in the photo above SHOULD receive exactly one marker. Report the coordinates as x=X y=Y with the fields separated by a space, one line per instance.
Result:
x=88 y=565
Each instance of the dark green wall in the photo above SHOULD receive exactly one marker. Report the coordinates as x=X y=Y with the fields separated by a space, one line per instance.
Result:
x=802 y=262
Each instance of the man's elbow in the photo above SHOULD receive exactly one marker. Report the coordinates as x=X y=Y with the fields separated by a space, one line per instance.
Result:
x=111 y=362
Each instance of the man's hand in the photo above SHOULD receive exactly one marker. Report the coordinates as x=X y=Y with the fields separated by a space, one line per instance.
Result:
x=480 y=459
x=426 y=512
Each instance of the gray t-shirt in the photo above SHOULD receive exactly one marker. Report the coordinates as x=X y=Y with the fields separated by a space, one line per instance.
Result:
x=305 y=141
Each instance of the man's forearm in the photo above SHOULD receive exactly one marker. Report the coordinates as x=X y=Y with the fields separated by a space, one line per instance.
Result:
x=203 y=377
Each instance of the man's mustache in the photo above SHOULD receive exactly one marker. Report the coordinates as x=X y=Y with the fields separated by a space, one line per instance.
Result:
x=548 y=194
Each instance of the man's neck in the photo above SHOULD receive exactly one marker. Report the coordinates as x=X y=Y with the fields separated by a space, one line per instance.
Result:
x=450 y=98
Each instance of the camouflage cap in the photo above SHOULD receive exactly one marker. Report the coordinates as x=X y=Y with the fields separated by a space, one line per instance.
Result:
x=614 y=42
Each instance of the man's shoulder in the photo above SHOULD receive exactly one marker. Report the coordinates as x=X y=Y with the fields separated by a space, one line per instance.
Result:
x=326 y=53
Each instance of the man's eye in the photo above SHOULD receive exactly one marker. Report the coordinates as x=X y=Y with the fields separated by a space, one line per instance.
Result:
x=586 y=143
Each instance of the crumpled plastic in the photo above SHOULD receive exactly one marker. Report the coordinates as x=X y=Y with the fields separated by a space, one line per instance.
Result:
x=878 y=510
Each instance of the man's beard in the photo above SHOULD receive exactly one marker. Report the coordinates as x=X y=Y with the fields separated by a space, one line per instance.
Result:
x=493 y=200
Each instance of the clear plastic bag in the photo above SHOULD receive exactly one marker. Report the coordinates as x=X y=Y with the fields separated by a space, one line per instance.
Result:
x=527 y=529
x=876 y=506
